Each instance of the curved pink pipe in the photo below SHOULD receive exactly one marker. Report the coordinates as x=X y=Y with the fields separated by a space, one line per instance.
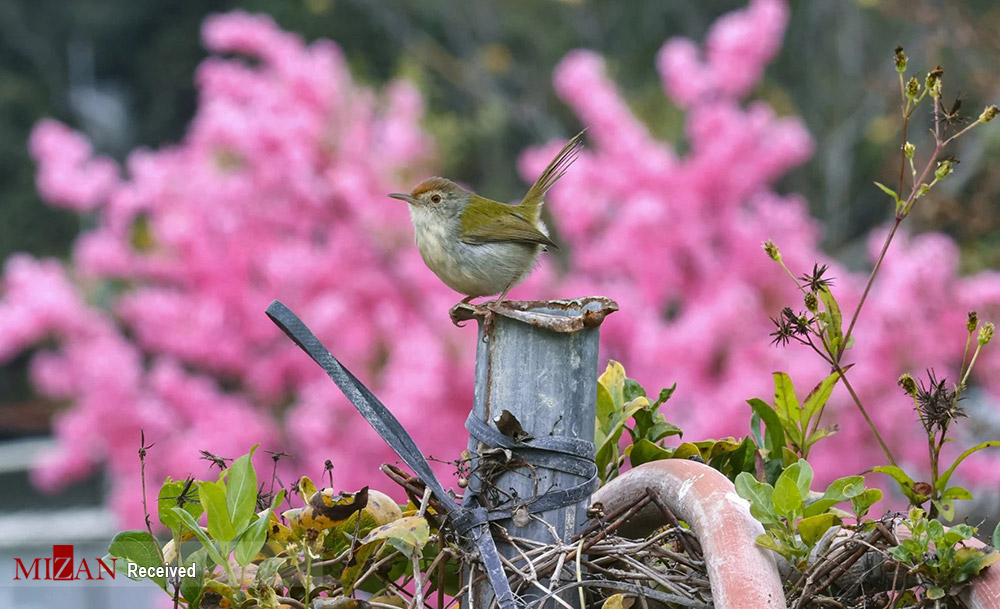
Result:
x=742 y=574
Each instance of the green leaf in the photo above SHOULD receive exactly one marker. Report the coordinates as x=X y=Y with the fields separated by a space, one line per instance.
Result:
x=845 y=488
x=942 y=482
x=632 y=389
x=888 y=191
x=252 y=539
x=973 y=561
x=786 y=404
x=137 y=547
x=802 y=473
x=759 y=495
x=812 y=528
x=935 y=592
x=774 y=435
x=241 y=491
x=408 y=534
x=863 y=502
x=956 y=492
x=177 y=493
x=819 y=506
x=995 y=540
x=192 y=525
x=817 y=399
x=904 y=481
x=644 y=451
x=213 y=499
x=787 y=497
x=191 y=587
x=833 y=335
x=664 y=395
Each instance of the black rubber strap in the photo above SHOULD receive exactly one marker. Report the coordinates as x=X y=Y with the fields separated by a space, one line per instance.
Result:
x=470 y=523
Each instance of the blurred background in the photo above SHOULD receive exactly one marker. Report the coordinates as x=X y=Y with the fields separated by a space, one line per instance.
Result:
x=122 y=73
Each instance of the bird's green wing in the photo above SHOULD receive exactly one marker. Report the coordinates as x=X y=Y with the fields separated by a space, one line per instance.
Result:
x=508 y=228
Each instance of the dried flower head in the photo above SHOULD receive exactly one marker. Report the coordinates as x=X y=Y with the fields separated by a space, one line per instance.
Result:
x=913 y=88
x=815 y=281
x=789 y=325
x=973 y=321
x=936 y=404
x=989 y=114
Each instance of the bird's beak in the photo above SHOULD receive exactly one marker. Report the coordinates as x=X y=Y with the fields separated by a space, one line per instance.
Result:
x=404 y=197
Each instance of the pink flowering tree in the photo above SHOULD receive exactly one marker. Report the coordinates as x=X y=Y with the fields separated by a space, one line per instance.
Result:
x=278 y=191
x=677 y=241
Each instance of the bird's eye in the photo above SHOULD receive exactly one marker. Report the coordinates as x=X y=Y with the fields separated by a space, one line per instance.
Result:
x=435 y=198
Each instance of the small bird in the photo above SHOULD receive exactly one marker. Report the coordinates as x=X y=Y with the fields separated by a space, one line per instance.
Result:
x=478 y=246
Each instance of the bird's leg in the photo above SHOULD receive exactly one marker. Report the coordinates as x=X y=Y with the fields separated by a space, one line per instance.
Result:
x=491 y=310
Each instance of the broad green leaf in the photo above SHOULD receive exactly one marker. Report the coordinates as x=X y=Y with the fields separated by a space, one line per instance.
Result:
x=787 y=405
x=817 y=399
x=686 y=450
x=213 y=499
x=241 y=491
x=605 y=410
x=137 y=547
x=802 y=473
x=408 y=534
x=644 y=451
x=946 y=508
x=972 y=561
x=819 y=506
x=632 y=390
x=191 y=587
x=833 y=335
x=177 y=493
x=192 y=525
x=774 y=435
x=845 y=488
x=956 y=492
x=252 y=539
x=995 y=539
x=812 y=528
x=935 y=592
x=904 y=481
x=766 y=541
x=863 y=502
x=787 y=497
x=759 y=494
x=942 y=482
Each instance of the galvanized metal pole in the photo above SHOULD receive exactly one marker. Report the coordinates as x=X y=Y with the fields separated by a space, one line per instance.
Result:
x=538 y=361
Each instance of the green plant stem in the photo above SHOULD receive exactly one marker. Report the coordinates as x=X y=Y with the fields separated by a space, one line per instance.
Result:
x=864 y=413
x=972 y=363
